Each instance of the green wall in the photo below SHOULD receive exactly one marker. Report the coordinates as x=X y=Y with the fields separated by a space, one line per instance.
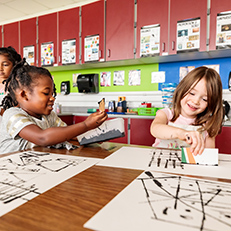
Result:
x=145 y=85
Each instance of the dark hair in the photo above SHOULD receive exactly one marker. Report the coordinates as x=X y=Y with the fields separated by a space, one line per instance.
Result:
x=11 y=54
x=211 y=119
x=22 y=75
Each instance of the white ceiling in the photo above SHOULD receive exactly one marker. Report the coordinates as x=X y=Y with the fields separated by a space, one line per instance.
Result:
x=16 y=10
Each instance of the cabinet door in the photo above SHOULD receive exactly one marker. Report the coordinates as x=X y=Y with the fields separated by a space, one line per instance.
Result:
x=69 y=29
x=152 y=12
x=140 y=132
x=183 y=10
x=28 y=36
x=217 y=7
x=47 y=27
x=223 y=141
x=93 y=25
x=68 y=119
x=11 y=35
x=119 y=29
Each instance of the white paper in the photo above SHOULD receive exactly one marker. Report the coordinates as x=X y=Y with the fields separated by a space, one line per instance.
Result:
x=149 y=40
x=223 y=35
x=165 y=161
x=26 y=175
x=28 y=54
x=158 y=77
x=47 y=54
x=91 y=48
x=69 y=51
x=158 y=201
x=188 y=35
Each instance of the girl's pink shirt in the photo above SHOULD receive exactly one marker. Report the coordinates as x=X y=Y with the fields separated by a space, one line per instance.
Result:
x=181 y=121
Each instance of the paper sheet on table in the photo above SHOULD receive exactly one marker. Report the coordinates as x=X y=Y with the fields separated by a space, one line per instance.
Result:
x=28 y=174
x=161 y=201
x=165 y=161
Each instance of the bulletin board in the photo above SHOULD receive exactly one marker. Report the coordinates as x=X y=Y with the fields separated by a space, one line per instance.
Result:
x=172 y=69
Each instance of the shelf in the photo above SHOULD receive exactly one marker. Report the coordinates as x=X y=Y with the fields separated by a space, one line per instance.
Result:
x=147 y=60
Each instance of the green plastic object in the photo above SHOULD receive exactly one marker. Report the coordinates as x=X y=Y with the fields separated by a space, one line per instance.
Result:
x=91 y=110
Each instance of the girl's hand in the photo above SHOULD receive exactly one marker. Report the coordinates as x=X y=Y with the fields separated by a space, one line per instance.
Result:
x=95 y=119
x=196 y=140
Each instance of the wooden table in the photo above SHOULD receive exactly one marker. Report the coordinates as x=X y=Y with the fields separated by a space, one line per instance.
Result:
x=69 y=205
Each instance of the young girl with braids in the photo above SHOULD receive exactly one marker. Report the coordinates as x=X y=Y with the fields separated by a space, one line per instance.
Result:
x=29 y=118
x=8 y=58
x=196 y=116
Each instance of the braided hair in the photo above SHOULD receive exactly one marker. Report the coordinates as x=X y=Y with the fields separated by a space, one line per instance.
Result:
x=22 y=75
x=11 y=54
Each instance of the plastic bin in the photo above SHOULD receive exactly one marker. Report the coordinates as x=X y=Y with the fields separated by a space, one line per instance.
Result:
x=147 y=111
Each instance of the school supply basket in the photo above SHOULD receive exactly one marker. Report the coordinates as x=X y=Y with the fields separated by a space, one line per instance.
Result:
x=147 y=111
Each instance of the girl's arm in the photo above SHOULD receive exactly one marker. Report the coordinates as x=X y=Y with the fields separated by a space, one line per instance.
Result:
x=55 y=135
x=161 y=130
x=210 y=142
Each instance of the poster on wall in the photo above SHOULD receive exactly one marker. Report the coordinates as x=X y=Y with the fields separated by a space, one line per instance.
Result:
x=47 y=54
x=150 y=40
x=105 y=79
x=68 y=51
x=188 y=35
x=91 y=48
x=134 y=78
x=118 y=78
x=28 y=54
x=184 y=71
x=223 y=35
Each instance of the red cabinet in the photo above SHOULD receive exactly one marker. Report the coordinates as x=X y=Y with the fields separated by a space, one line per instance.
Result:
x=152 y=12
x=28 y=36
x=47 y=27
x=119 y=29
x=68 y=29
x=11 y=35
x=140 y=132
x=223 y=141
x=68 y=119
x=217 y=7
x=93 y=25
x=187 y=9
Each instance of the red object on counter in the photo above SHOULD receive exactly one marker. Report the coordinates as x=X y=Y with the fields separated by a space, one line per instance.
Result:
x=146 y=104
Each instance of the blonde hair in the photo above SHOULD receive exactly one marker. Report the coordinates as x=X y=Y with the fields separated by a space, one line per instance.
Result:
x=212 y=117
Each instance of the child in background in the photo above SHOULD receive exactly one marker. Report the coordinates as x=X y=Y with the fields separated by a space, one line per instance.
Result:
x=8 y=58
x=33 y=121
x=196 y=116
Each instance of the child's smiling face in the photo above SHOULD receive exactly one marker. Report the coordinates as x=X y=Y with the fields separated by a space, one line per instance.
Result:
x=40 y=100
x=195 y=101
x=5 y=67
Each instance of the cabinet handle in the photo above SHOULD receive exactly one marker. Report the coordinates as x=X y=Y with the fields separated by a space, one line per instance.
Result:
x=173 y=45
x=108 y=52
x=163 y=47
